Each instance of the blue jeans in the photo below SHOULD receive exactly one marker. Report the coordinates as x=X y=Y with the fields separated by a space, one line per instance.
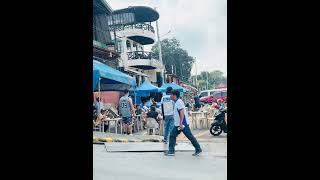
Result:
x=168 y=126
x=187 y=132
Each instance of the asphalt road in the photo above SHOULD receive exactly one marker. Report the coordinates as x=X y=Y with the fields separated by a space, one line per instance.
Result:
x=211 y=164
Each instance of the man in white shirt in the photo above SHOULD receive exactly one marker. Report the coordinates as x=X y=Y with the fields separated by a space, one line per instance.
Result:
x=181 y=125
x=167 y=110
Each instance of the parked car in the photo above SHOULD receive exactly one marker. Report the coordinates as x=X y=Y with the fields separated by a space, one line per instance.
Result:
x=210 y=96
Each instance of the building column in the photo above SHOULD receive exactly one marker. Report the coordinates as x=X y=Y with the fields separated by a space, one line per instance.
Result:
x=124 y=55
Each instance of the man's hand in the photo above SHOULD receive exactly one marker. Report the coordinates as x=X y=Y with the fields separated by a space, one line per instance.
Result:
x=181 y=126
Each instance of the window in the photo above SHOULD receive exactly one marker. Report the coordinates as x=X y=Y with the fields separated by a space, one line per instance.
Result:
x=119 y=46
x=128 y=45
x=224 y=93
x=204 y=94
x=135 y=47
x=220 y=93
x=211 y=93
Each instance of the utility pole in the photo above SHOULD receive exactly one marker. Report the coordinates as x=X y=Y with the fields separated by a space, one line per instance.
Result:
x=196 y=73
x=207 y=80
x=159 y=47
x=181 y=71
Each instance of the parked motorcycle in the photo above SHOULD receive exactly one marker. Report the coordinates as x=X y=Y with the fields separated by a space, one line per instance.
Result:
x=219 y=124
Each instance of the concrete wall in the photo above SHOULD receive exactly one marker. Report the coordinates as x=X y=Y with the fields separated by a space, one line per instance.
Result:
x=110 y=97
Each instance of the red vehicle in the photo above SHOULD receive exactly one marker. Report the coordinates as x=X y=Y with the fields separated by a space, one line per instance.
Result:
x=214 y=95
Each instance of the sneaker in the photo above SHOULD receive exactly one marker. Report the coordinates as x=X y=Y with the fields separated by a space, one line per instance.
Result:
x=130 y=135
x=168 y=154
x=197 y=153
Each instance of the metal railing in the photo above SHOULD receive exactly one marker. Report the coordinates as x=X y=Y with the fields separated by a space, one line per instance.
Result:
x=140 y=55
x=143 y=26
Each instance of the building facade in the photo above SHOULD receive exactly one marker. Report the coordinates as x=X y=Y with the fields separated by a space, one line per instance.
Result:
x=133 y=29
x=103 y=46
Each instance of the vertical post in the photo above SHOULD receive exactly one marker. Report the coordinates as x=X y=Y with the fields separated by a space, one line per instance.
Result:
x=207 y=81
x=99 y=88
x=196 y=73
x=160 y=51
x=181 y=71
x=114 y=33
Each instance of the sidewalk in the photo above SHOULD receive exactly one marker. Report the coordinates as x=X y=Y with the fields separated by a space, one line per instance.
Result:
x=99 y=137
x=201 y=135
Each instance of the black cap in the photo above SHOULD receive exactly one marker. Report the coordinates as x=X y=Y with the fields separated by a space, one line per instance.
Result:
x=176 y=93
x=169 y=89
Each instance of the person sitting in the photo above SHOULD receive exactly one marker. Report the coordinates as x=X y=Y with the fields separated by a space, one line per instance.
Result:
x=102 y=116
x=197 y=104
x=152 y=118
x=138 y=109
x=152 y=113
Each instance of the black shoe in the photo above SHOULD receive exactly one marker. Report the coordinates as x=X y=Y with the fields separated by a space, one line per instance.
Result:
x=197 y=153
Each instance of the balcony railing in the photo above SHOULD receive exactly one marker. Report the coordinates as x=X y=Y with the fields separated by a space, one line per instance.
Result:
x=143 y=26
x=139 y=55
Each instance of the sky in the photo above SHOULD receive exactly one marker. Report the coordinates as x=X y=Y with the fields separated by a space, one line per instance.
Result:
x=200 y=26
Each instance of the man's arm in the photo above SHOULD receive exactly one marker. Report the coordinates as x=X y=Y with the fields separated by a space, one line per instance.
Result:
x=180 y=108
x=162 y=110
x=181 y=114
x=132 y=107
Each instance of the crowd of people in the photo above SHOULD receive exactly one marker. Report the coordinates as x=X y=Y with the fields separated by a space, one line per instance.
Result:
x=171 y=109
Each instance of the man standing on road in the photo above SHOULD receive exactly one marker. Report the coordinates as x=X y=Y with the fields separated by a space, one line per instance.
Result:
x=167 y=110
x=181 y=124
x=126 y=111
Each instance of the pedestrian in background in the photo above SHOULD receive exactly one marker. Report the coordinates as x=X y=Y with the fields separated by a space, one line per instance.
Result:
x=167 y=106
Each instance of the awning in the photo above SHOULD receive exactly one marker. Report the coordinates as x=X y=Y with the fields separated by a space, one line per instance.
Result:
x=174 y=86
x=112 y=79
x=147 y=87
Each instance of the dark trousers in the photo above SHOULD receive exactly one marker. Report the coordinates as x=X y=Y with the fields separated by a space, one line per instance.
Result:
x=187 y=132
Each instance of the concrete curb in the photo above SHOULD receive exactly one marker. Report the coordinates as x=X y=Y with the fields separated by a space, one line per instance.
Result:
x=123 y=140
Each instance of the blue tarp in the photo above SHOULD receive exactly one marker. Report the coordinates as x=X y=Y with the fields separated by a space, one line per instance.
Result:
x=174 y=86
x=112 y=79
x=96 y=76
x=146 y=87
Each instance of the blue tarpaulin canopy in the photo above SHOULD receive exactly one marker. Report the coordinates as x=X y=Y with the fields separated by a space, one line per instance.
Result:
x=146 y=87
x=174 y=86
x=112 y=79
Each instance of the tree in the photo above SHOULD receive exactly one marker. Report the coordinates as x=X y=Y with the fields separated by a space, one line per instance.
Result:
x=174 y=55
x=214 y=79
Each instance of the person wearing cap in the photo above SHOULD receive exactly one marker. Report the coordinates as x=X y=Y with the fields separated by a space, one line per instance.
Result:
x=167 y=106
x=181 y=125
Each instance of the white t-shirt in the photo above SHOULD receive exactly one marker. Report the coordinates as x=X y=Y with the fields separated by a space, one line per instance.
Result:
x=168 y=105
x=178 y=106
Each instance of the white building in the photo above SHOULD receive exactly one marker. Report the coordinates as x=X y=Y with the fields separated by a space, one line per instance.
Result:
x=133 y=27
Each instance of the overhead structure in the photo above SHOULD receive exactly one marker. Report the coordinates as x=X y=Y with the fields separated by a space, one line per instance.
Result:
x=109 y=79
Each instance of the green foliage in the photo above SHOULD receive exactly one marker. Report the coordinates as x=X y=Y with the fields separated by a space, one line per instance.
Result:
x=173 y=54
